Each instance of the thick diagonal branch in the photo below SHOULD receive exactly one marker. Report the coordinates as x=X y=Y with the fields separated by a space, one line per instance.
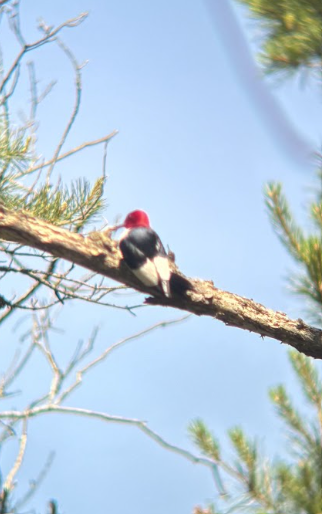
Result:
x=99 y=253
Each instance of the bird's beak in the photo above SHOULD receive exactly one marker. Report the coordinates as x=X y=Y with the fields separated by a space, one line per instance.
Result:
x=116 y=227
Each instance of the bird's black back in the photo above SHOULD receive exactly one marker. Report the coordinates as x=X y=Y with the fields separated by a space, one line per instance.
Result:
x=141 y=243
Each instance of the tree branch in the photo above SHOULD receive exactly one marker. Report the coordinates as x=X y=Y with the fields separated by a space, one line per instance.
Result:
x=99 y=253
x=60 y=157
x=102 y=416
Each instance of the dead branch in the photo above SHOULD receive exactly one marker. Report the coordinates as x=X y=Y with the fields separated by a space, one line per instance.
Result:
x=50 y=34
x=104 y=139
x=99 y=253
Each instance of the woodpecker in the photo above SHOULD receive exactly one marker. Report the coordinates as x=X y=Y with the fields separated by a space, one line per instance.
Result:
x=144 y=253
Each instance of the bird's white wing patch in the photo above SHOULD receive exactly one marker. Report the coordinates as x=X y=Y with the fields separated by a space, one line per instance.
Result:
x=162 y=266
x=154 y=273
x=163 y=270
x=147 y=274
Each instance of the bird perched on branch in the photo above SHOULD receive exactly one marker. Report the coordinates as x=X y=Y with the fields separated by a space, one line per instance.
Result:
x=144 y=254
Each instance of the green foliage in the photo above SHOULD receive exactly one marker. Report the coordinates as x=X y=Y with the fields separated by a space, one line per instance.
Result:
x=14 y=148
x=291 y=484
x=248 y=454
x=308 y=377
x=306 y=249
x=60 y=205
x=291 y=32
x=246 y=450
x=294 y=420
x=292 y=37
x=74 y=206
x=204 y=439
x=300 y=483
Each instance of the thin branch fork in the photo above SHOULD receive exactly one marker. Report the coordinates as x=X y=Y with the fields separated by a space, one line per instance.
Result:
x=102 y=416
x=99 y=253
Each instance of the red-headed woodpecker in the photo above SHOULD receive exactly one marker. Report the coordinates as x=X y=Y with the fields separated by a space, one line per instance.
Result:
x=144 y=254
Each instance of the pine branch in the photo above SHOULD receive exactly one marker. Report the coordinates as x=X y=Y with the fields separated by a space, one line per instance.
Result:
x=293 y=419
x=99 y=253
x=306 y=249
x=291 y=33
x=204 y=439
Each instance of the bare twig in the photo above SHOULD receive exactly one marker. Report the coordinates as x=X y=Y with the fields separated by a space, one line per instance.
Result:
x=14 y=83
x=17 y=367
x=78 y=92
x=100 y=358
x=8 y=484
x=142 y=425
x=49 y=36
x=88 y=293
x=14 y=22
x=27 y=294
x=33 y=91
x=104 y=140
x=34 y=484
x=52 y=403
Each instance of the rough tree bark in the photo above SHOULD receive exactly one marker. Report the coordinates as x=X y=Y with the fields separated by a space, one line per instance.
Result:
x=99 y=253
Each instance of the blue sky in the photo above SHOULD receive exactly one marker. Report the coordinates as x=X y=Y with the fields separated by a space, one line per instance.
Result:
x=199 y=136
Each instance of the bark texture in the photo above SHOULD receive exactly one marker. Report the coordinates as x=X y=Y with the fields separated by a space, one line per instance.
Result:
x=99 y=253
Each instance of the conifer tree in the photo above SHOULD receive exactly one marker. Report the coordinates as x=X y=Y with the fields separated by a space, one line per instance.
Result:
x=291 y=484
x=291 y=42
x=291 y=34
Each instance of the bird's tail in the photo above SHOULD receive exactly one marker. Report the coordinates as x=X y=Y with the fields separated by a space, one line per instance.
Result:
x=179 y=285
x=165 y=286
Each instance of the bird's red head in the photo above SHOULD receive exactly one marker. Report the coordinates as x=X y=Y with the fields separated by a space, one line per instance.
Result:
x=137 y=219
